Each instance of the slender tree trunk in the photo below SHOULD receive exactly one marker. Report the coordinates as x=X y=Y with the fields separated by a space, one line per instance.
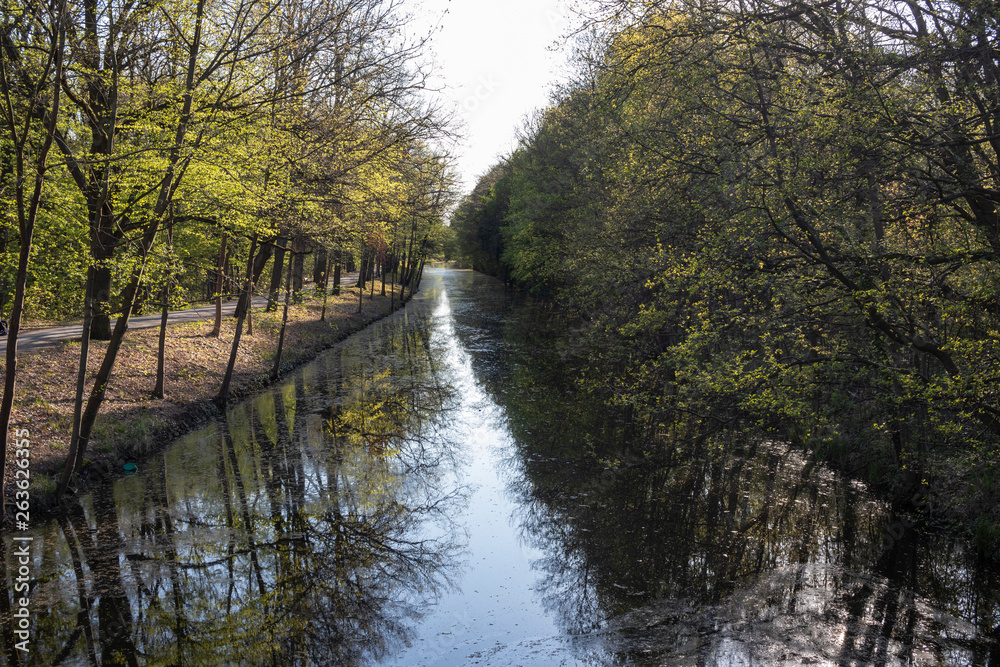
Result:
x=81 y=381
x=161 y=352
x=336 y=276
x=279 y=264
x=417 y=267
x=249 y=309
x=10 y=374
x=164 y=313
x=420 y=276
x=284 y=321
x=383 y=276
x=326 y=272
x=223 y=398
x=298 y=266
x=408 y=267
x=27 y=213
x=164 y=198
x=217 y=329
x=363 y=269
x=99 y=389
x=101 y=327
x=263 y=255
x=361 y=294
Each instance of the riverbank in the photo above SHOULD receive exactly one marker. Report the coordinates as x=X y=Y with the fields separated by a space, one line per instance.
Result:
x=132 y=424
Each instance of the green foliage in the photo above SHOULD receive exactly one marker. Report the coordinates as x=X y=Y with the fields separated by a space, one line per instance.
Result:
x=309 y=132
x=774 y=217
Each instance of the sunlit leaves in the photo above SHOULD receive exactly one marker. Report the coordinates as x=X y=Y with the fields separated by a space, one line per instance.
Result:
x=773 y=216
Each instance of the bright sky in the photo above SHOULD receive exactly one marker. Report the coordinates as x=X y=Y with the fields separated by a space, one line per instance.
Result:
x=495 y=62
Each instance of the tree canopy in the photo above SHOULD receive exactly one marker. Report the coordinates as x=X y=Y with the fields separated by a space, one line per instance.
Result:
x=153 y=144
x=781 y=213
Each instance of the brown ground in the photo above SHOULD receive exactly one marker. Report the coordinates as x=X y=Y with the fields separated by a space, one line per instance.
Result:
x=132 y=424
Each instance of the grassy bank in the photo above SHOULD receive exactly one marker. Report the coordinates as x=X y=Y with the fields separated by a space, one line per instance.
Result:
x=132 y=424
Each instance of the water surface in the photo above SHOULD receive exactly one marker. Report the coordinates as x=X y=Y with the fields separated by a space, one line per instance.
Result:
x=438 y=491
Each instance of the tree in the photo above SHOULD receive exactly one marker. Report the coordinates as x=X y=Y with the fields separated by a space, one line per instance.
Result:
x=32 y=49
x=175 y=166
x=776 y=212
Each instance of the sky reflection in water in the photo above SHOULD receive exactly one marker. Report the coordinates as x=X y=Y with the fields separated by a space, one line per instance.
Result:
x=436 y=491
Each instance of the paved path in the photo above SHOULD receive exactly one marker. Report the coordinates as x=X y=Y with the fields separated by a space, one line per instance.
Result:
x=34 y=338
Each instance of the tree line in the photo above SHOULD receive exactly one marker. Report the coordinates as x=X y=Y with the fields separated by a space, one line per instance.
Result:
x=780 y=214
x=154 y=152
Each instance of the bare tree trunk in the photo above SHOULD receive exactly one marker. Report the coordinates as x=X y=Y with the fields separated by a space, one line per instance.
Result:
x=336 y=276
x=326 y=272
x=263 y=255
x=99 y=389
x=101 y=328
x=363 y=269
x=249 y=309
x=284 y=321
x=279 y=264
x=223 y=396
x=319 y=268
x=406 y=269
x=217 y=329
x=298 y=266
x=383 y=276
x=27 y=211
x=164 y=313
x=420 y=275
x=161 y=351
x=81 y=381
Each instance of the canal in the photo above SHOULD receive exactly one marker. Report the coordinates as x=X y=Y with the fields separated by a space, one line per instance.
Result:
x=438 y=490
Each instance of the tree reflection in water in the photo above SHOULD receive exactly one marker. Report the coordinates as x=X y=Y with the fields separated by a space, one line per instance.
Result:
x=311 y=528
x=307 y=528
x=711 y=547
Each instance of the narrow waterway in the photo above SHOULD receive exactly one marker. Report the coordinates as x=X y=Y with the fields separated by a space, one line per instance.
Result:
x=438 y=491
